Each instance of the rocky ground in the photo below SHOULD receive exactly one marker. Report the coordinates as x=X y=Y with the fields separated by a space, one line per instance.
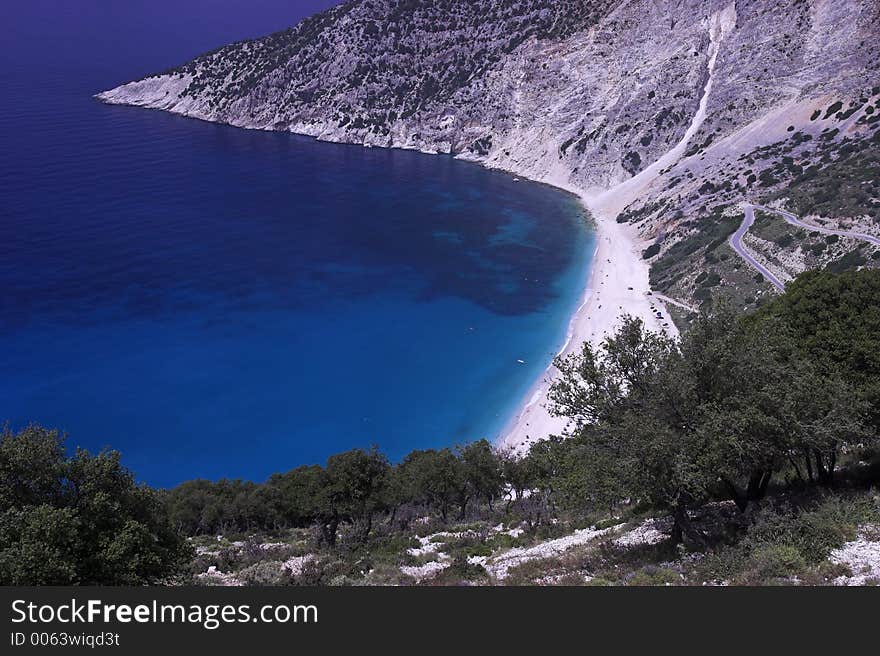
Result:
x=839 y=546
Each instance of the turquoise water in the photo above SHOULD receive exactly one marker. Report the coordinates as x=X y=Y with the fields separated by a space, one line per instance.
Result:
x=215 y=302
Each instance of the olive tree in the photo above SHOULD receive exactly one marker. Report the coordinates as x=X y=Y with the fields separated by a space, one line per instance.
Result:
x=80 y=519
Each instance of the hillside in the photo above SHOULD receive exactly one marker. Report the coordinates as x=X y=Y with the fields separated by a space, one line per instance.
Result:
x=767 y=101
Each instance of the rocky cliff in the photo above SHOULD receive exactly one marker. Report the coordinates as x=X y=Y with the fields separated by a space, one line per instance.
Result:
x=726 y=99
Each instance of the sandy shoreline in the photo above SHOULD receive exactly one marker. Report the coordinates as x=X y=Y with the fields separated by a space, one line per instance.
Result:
x=618 y=282
x=617 y=285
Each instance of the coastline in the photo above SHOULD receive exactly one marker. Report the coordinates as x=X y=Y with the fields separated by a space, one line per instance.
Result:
x=618 y=284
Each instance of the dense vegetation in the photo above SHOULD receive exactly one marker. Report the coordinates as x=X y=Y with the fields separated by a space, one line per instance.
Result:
x=79 y=520
x=353 y=489
x=737 y=401
x=753 y=434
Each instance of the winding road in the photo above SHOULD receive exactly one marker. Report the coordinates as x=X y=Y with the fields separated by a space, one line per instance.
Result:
x=749 y=218
x=737 y=245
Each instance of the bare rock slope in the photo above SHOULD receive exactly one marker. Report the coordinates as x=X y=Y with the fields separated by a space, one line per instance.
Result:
x=758 y=99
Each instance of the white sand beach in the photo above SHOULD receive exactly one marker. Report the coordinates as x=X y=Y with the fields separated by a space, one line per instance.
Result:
x=618 y=285
x=618 y=282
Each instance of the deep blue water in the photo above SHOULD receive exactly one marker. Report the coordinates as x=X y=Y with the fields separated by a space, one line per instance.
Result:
x=217 y=302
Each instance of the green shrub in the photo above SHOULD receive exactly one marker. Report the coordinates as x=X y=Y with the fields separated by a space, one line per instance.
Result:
x=478 y=550
x=651 y=251
x=392 y=549
x=824 y=573
x=785 y=540
x=607 y=523
x=599 y=582
x=655 y=576
x=79 y=519
x=267 y=572
x=813 y=534
x=772 y=562
x=712 y=280
x=462 y=571
x=852 y=260
x=818 y=249
x=784 y=240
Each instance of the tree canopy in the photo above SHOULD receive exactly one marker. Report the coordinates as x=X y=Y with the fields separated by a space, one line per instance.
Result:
x=79 y=520
x=736 y=400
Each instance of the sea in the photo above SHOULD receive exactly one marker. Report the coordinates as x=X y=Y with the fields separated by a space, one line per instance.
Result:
x=221 y=303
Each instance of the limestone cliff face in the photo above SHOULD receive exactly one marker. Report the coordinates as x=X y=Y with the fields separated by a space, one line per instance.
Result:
x=582 y=93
